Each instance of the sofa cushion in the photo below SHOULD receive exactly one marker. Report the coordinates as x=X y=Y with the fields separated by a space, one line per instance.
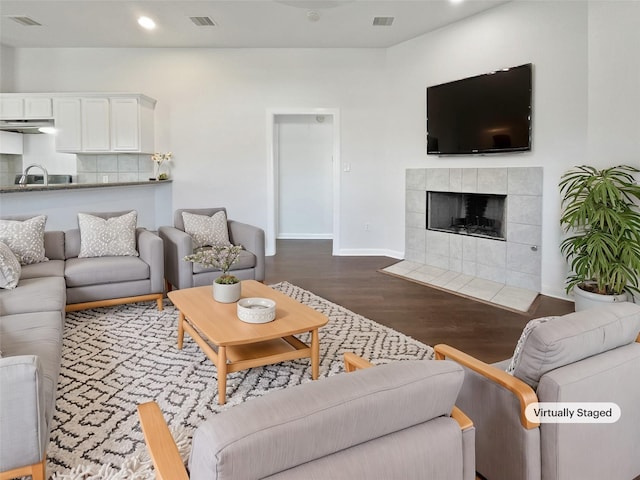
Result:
x=39 y=334
x=10 y=268
x=573 y=337
x=207 y=230
x=52 y=268
x=342 y=411
x=105 y=237
x=25 y=238
x=100 y=270
x=54 y=245
x=34 y=295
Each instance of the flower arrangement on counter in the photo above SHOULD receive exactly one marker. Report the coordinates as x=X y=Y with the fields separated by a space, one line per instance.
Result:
x=218 y=256
x=158 y=159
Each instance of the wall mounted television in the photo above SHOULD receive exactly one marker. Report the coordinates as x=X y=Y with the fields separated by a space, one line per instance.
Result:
x=485 y=114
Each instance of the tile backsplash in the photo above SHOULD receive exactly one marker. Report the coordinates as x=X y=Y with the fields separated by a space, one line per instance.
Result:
x=10 y=166
x=123 y=167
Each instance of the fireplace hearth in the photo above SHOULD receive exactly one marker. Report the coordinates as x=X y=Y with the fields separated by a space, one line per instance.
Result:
x=477 y=215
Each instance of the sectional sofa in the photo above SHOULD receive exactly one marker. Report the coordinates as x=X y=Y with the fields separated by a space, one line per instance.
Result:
x=31 y=326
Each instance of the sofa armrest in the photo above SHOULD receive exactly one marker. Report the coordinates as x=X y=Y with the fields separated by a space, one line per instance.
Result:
x=252 y=239
x=523 y=392
x=152 y=253
x=177 y=245
x=162 y=448
x=507 y=445
x=23 y=427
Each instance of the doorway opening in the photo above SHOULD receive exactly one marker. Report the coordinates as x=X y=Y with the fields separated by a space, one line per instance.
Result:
x=303 y=175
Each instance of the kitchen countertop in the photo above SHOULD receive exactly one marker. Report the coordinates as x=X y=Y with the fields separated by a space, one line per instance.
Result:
x=75 y=186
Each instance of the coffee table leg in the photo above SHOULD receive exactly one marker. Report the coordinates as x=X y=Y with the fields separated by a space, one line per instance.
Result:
x=222 y=375
x=180 y=329
x=315 y=354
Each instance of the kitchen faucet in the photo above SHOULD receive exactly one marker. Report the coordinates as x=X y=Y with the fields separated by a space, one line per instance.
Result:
x=23 y=178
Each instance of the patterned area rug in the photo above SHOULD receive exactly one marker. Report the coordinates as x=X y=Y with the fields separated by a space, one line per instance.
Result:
x=115 y=358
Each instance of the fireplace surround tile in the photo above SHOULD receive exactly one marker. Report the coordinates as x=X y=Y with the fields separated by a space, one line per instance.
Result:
x=470 y=180
x=492 y=180
x=437 y=179
x=511 y=262
x=525 y=181
x=524 y=209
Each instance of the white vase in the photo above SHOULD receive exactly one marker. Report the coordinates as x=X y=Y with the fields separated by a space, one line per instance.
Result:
x=226 y=293
x=585 y=300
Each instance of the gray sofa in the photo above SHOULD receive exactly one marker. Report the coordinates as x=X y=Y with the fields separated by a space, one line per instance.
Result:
x=387 y=422
x=587 y=356
x=177 y=244
x=31 y=327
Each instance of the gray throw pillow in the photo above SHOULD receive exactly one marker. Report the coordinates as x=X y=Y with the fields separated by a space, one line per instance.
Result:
x=25 y=238
x=111 y=237
x=205 y=230
x=10 y=268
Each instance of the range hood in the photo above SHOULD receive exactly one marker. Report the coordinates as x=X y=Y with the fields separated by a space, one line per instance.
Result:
x=27 y=126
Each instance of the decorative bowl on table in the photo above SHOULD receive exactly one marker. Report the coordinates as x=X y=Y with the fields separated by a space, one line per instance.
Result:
x=256 y=310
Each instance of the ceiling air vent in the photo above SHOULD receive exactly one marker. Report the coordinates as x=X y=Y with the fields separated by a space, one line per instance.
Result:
x=203 y=21
x=383 y=21
x=25 y=21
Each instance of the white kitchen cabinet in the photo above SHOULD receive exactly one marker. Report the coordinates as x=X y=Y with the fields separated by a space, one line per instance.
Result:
x=37 y=107
x=20 y=107
x=96 y=136
x=132 y=126
x=68 y=122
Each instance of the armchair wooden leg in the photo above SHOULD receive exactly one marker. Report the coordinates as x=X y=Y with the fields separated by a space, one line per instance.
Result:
x=37 y=471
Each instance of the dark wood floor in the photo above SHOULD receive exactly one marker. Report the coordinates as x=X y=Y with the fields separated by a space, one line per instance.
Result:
x=424 y=313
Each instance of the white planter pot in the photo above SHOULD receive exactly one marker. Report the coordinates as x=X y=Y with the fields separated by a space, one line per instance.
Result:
x=585 y=300
x=226 y=293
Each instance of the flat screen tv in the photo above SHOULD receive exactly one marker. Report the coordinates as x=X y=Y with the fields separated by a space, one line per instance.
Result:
x=488 y=113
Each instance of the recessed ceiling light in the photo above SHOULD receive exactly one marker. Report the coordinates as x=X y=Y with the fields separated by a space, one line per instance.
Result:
x=146 y=22
x=456 y=1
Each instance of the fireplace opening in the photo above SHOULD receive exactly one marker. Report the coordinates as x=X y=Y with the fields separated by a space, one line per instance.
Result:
x=475 y=214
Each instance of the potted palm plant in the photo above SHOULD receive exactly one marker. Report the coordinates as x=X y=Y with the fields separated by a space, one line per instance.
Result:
x=226 y=288
x=601 y=215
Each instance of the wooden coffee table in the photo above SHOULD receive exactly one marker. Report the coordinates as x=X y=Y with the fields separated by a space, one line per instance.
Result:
x=234 y=345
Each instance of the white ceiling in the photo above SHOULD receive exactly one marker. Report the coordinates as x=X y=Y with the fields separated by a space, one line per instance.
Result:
x=239 y=23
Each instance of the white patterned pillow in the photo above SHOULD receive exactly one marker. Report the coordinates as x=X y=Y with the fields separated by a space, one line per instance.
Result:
x=10 y=268
x=110 y=237
x=205 y=230
x=526 y=331
x=25 y=238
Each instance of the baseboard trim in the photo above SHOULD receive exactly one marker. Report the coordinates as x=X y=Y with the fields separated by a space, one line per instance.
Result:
x=305 y=236
x=369 y=252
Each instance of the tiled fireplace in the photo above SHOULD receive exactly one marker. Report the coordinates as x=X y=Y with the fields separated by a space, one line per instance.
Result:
x=484 y=223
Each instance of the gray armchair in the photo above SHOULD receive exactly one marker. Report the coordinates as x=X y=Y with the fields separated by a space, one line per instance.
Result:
x=390 y=421
x=177 y=244
x=587 y=356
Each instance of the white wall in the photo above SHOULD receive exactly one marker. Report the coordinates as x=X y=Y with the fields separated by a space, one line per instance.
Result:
x=305 y=176
x=212 y=103
x=585 y=103
x=211 y=115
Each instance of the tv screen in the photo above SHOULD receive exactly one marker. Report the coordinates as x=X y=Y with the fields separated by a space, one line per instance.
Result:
x=489 y=113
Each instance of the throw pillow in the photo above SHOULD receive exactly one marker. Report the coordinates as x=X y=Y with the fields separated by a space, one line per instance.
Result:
x=25 y=238
x=205 y=230
x=110 y=237
x=526 y=331
x=10 y=268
